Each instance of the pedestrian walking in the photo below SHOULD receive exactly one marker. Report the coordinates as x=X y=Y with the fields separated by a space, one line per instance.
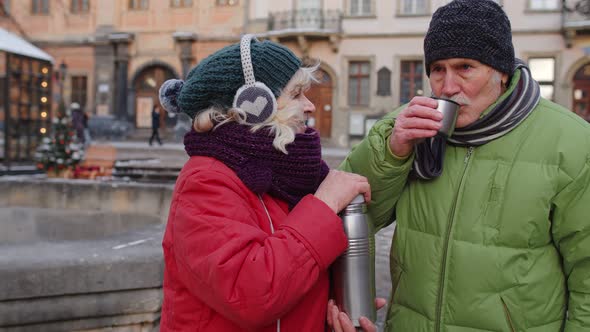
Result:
x=77 y=121
x=86 y=129
x=155 y=125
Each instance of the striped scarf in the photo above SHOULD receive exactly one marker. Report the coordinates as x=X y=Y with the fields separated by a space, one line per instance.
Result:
x=507 y=115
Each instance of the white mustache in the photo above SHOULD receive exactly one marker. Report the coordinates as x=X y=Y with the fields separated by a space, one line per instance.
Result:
x=459 y=99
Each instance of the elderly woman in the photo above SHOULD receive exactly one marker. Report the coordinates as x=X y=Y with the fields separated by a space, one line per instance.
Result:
x=253 y=223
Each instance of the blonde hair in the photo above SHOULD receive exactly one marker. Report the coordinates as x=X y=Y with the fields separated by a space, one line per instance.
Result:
x=282 y=123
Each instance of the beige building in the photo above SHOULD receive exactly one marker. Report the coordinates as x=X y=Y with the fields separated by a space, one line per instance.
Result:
x=119 y=52
x=373 y=54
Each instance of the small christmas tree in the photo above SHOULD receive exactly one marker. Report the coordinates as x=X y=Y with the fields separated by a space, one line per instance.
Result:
x=61 y=151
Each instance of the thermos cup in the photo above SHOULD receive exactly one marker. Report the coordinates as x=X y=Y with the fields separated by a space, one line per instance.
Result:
x=449 y=110
x=354 y=272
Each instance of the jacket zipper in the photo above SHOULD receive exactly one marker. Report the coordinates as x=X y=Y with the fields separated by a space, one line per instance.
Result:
x=508 y=317
x=447 y=236
x=272 y=230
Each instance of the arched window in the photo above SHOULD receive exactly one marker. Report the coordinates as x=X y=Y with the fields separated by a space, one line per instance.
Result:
x=384 y=82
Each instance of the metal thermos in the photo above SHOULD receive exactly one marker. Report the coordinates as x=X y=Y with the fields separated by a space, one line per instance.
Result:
x=353 y=272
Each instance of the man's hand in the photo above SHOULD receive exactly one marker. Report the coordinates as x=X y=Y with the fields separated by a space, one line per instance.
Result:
x=340 y=322
x=419 y=121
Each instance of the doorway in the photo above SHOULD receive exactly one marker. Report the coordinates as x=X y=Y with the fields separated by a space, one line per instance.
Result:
x=146 y=86
x=581 y=92
x=320 y=95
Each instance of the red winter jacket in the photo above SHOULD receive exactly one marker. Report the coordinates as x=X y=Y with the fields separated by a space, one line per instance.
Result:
x=227 y=271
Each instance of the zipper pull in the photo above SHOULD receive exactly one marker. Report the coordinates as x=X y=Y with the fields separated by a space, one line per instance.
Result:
x=468 y=155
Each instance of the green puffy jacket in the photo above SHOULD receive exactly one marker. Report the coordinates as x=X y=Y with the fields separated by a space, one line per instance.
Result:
x=500 y=241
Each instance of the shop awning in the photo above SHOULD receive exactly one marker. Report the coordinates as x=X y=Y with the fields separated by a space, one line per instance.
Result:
x=12 y=43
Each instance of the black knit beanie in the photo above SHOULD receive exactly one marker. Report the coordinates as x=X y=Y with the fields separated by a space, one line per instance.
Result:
x=472 y=29
x=217 y=78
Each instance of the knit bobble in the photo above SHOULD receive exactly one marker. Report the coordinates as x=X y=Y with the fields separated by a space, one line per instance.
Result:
x=168 y=94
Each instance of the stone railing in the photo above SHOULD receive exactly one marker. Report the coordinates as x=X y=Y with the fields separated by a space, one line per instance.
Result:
x=306 y=19
x=81 y=255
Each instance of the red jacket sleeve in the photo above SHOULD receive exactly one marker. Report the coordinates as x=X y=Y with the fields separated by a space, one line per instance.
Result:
x=226 y=260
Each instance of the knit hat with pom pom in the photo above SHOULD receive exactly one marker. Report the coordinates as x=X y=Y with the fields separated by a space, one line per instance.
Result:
x=216 y=79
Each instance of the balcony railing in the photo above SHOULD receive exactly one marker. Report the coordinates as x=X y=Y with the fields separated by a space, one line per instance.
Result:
x=305 y=20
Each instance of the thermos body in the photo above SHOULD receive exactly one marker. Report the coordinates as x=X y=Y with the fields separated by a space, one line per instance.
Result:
x=353 y=273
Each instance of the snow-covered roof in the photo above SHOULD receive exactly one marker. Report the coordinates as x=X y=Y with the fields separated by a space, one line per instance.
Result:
x=12 y=43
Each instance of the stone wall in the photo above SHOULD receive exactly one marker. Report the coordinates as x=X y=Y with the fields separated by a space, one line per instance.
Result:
x=81 y=255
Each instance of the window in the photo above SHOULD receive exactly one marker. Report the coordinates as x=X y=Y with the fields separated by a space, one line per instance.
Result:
x=543 y=70
x=138 y=4
x=309 y=4
x=181 y=3
x=358 y=83
x=79 y=90
x=411 y=80
x=544 y=4
x=40 y=7
x=496 y=1
x=360 y=8
x=384 y=82
x=227 y=2
x=80 y=6
x=582 y=92
x=4 y=7
x=413 y=7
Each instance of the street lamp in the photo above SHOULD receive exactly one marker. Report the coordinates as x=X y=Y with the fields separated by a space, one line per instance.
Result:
x=63 y=70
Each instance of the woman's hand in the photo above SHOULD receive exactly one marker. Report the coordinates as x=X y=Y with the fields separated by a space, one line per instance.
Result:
x=340 y=322
x=339 y=188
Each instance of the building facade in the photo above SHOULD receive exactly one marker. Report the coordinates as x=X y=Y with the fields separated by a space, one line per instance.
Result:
x=118 y=52
x=373 y=57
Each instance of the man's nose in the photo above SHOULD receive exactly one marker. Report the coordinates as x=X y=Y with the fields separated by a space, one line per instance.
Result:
x=450 y=85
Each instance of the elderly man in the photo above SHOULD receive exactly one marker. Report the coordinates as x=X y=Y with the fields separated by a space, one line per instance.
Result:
x=493 y=224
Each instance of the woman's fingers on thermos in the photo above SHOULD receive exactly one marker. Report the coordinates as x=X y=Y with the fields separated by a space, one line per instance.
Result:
x=345 y=322
x=367 y=325
x=365 y=189
x=329 y=317
x=380 y=302
x=336 y=319
x=340 y=188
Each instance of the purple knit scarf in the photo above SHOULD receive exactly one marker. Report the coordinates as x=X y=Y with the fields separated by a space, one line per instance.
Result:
x=261 y=167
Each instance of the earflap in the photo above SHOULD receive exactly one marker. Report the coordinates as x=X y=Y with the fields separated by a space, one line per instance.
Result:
x=255 y=98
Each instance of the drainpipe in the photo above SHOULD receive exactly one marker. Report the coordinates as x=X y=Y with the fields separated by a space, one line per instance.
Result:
x=246 y=17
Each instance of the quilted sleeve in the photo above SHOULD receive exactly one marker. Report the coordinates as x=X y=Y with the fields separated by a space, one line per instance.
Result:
x=387 y=174
x=571 y=233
